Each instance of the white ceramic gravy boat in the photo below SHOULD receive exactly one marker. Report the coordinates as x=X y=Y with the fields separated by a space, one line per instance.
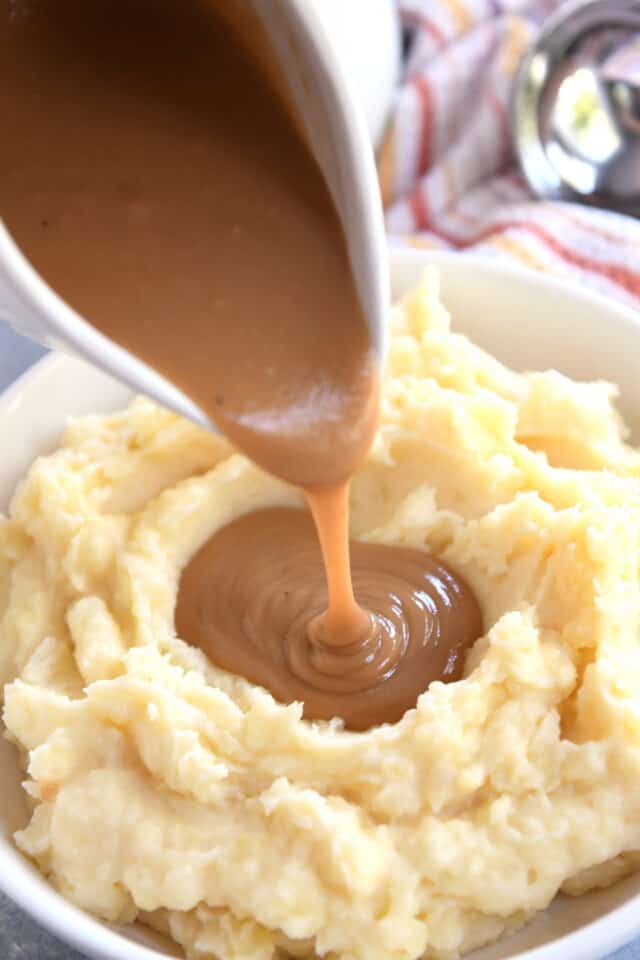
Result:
x=337 y=132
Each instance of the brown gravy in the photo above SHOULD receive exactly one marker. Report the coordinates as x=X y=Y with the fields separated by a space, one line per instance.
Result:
x=253 y=595
x=158 y=183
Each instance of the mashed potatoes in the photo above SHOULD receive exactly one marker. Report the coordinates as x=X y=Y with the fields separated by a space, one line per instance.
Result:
x=165 y=789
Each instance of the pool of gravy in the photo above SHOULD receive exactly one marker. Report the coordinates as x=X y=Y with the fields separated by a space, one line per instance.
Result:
x=254 y=599
x=157 y=181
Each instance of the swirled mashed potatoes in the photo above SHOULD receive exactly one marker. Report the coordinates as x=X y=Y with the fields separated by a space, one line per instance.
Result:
x=165 y=789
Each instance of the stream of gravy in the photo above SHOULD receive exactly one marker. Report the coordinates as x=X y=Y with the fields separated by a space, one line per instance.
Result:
x=159 y=184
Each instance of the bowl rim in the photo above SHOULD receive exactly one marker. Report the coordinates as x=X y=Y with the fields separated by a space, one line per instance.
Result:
x=22 y=883
x=568 y=287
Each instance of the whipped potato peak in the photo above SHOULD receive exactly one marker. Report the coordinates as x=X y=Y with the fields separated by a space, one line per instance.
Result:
x=164 y=789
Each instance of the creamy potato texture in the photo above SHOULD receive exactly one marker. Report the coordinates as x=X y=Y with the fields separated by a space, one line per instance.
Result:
x=165 y=789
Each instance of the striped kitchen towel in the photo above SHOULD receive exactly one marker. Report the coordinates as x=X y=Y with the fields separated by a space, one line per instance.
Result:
x=448 y=176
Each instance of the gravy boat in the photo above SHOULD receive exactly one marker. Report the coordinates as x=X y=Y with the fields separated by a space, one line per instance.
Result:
x=335 y=128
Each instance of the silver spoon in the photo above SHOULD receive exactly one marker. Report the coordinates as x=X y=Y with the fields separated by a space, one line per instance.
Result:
x=576 y=120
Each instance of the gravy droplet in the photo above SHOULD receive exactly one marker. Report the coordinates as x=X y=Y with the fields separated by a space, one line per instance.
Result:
x=254 y=597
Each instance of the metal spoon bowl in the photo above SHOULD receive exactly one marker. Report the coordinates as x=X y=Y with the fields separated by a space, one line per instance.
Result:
x=576 y=121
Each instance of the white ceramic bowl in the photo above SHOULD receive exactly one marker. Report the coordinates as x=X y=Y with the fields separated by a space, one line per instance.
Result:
x=524 y=319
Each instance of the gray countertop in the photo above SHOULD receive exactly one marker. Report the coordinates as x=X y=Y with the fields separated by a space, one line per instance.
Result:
x=20 y=938
x=16 y=354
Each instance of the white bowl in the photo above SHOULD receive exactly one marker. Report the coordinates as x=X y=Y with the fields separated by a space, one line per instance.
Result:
x=524 y=319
